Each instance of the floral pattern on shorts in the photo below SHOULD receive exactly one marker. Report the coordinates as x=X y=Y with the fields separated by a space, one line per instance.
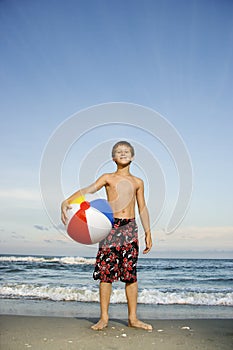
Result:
x=118 y=253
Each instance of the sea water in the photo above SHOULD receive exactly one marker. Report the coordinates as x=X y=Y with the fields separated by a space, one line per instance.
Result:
x=168 y=288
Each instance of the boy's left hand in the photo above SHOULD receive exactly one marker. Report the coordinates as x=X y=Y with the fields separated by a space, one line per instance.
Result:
x=148 y=242
x=64 y=207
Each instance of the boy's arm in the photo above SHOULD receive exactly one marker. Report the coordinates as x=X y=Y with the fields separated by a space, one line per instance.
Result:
x=96 y=186
x=144 y=216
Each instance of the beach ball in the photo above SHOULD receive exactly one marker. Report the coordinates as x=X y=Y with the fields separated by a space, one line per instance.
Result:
x=89 y=222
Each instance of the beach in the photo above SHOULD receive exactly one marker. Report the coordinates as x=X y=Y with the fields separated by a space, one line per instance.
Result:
x=52 y=302
x=36 y=332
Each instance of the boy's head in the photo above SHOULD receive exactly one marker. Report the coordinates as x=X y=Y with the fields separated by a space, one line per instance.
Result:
x=122 y=149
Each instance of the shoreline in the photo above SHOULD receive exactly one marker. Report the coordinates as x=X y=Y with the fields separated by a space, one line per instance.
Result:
x=25 y=307
x=21 y=332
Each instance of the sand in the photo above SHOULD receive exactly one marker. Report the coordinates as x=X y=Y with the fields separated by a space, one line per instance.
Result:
x=23 y=332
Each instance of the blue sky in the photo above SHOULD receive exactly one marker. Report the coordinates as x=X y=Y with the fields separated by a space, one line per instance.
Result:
x=59 y=57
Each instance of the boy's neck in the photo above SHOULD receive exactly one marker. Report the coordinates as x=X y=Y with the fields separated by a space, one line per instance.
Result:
x=123 y=170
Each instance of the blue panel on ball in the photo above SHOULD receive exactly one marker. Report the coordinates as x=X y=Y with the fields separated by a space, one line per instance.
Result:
x=103 y=206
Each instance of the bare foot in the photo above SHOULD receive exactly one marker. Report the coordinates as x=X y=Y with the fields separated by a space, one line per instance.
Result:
x=101 y=324
x=139 y=324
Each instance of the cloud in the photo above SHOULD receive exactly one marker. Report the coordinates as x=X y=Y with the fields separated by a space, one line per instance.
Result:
x=59 y=227
x=19 y=198
x=61 y=241
x=204 y=238
x=48 y=241
x=41 y=227
x=20 y=194
x=16 y=235
x=205 y=232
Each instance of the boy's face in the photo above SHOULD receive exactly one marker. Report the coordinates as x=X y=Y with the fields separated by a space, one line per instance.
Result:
x=122 y=155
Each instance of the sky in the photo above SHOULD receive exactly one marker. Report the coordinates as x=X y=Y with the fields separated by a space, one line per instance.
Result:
x=60 y=58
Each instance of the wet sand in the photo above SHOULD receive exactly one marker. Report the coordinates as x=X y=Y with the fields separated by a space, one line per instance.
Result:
x=23 y=332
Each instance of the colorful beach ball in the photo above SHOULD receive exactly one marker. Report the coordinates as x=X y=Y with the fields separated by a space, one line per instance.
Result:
x=89 y=222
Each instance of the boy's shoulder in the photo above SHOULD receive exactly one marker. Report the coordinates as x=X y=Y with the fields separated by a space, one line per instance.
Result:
x=138 y=180
x=106 y=176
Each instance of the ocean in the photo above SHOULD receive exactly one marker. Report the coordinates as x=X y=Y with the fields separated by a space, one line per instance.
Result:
x=168 y=288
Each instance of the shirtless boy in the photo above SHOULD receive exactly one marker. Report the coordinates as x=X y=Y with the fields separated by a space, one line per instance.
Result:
x=118 y=253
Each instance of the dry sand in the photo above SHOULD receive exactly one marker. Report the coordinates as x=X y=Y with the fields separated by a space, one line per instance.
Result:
x=23 y=332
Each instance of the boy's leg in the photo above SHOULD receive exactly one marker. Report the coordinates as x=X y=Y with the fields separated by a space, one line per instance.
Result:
x=105 y=293
x=131 y=291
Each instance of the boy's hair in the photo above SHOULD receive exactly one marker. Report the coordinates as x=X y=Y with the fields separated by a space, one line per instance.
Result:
x=122 y=143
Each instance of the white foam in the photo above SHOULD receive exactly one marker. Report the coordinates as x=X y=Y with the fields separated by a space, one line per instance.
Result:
x=63 y=260
x=48 y=292
x=152 y=296
x=85 y=294
x=77 y=260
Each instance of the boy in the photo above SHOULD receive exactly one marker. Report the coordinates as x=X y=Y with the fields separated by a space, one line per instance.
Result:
x=118 y=253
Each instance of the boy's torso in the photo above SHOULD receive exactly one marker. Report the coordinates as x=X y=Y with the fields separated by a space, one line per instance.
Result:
x=121 y=193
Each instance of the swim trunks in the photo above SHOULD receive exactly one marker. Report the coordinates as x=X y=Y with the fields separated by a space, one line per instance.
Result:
x=118 y=253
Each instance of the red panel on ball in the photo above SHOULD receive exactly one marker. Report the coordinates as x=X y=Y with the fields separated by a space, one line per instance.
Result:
x=78 y=229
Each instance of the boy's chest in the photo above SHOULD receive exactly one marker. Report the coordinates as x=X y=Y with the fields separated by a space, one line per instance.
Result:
x=122 y=186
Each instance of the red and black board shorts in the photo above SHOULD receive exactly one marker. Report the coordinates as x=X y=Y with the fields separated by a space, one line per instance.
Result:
x=118 y=253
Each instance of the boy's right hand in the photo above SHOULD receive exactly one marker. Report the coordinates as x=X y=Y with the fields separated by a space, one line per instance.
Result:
x=64 y=207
